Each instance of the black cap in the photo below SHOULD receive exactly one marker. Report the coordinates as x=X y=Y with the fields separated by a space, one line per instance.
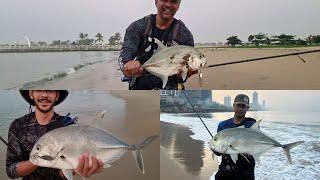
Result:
x=25 y=94
x=241 y=99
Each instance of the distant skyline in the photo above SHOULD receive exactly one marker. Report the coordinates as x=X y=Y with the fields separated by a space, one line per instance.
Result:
x=284 y=100
x=208 y=20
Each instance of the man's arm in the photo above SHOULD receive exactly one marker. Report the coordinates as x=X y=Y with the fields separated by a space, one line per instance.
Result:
x=129 y=49
x=15 y=165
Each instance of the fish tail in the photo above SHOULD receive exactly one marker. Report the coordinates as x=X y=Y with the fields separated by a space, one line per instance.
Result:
x=136 y=151
x=288 y=147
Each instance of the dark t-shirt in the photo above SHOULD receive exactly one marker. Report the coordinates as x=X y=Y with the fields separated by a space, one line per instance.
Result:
x=23 y=133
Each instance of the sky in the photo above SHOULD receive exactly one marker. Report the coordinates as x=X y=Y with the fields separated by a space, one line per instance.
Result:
x=208 y=20
x=284 y=100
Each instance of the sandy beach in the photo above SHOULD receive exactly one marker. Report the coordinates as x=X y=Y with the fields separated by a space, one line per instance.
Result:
x=279 y=73
x=132 y=120
x=100 y=76
x=182 y=157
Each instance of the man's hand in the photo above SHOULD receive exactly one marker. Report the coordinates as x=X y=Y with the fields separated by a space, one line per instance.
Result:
x=84 y=169
x=25 y=168
x=192 y=72
x=132 y=68
x=189 y=73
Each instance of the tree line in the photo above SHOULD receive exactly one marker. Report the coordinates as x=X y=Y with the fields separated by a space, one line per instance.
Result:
x=84 y=39
x=262 y=39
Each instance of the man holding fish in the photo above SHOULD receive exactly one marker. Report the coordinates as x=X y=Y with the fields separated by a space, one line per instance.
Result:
x=24 y=132
x=140 y=44
x=241 y=143
x=241 y=169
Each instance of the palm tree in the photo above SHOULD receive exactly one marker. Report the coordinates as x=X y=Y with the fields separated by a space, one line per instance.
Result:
x=99 y=37
x=82 y=36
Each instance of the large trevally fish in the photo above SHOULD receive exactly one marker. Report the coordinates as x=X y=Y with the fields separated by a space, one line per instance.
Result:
x=61 y=148
x=252 y=141
x=168 y=61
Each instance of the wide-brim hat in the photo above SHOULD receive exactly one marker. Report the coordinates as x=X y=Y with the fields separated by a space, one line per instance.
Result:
x=25 y=94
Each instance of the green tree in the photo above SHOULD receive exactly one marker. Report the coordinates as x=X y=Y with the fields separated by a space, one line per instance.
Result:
x=285 y=39
x=259 y=39
x=84 y=40
x=115 y=39
x=99 y=37
x=250 y=38
x=233 y=41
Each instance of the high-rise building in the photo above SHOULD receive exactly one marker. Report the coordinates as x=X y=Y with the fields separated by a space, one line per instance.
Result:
x=196 y=95
x=227 y=101
x=254 y=105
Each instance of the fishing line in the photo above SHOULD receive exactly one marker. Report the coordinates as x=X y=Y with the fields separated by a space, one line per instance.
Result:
x=264 y=58
x=128 y=79
x=194 y=110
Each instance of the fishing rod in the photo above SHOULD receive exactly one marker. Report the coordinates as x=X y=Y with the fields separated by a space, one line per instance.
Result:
x=265 y=58
x=194 y=110
x=128 y=79
x=11 y=148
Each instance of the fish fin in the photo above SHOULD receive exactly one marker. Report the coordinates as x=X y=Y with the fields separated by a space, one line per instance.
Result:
x=103 y=113
x=289 y=146
x=164 y=79
x=160 y=44
x=184 y=75
x=245 y=157
x=68 y=173
x=243 y=126
x=256 y=125
x=234 y=157
x=133 y=80
x=174 y=43
x=136 y=151
x=106 y=165
x=256 y=157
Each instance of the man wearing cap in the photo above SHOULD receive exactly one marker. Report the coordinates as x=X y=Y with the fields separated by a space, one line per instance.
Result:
x=25 y=131
x=242 y=169
x=138 y=48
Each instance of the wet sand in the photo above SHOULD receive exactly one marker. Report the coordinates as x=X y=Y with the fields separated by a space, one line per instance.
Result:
x=100 y=76
x=140 y=119
x=279 y=73
x=183 y=157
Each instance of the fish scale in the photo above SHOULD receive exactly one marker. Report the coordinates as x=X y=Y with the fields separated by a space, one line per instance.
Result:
x=61 y=148
x=252 y=141
x=168 y=61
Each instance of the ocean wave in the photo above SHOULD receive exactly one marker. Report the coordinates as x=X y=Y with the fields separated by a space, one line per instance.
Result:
x=56 y=76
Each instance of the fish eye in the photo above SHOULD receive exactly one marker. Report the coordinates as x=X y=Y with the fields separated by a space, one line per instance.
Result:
x=62 y=157
x=38 y=148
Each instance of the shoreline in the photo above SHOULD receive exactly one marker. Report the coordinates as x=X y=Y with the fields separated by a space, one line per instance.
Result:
x=182 y=156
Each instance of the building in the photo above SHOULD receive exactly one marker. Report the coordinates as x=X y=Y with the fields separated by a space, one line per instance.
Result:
x=254 y=105
x=196 y=96
x=227 y=101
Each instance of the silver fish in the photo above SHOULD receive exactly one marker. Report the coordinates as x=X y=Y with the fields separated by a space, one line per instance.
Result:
x=252 y=141
x=61 y=148
x=168 y=61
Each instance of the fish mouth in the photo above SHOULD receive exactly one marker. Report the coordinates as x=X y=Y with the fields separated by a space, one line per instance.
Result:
x=46 y=157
